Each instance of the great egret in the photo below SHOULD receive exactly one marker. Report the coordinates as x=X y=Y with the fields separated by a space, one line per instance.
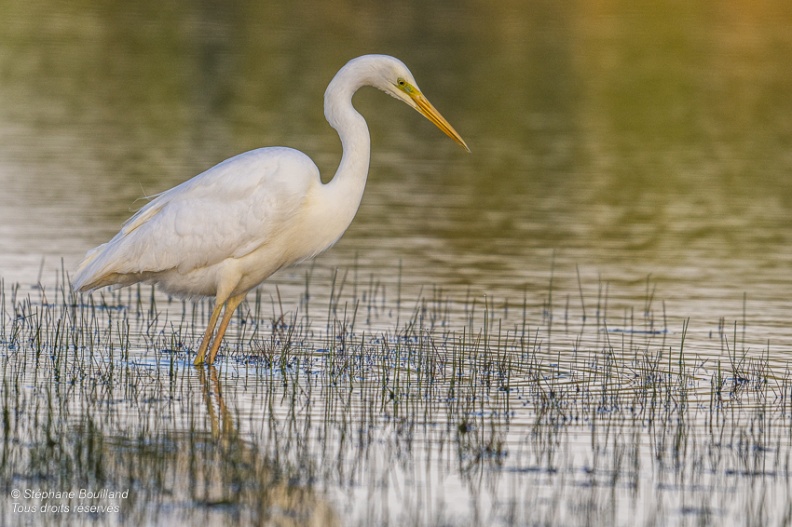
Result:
x=226 y=230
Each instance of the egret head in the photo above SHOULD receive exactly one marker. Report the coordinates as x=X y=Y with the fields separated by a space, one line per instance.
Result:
x=390 y=75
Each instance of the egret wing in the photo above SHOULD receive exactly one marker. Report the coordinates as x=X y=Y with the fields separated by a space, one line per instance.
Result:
x=225 y=212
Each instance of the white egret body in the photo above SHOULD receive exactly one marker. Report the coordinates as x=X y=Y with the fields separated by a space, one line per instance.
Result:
x=226 y=230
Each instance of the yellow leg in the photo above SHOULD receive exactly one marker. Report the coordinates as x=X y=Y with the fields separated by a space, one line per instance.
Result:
x=208 y=334
x=231 y=305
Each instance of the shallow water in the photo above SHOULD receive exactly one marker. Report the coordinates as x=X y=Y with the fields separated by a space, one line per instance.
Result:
x=530 y=417
x=628 y=184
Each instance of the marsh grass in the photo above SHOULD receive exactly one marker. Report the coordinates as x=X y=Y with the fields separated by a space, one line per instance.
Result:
x=352 y=408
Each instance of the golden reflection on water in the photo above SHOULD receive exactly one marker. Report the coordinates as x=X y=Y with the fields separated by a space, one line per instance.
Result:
x=609 y=140
x=630 y=140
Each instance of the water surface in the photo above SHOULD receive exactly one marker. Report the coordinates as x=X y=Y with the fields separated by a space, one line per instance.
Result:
x=629 y=170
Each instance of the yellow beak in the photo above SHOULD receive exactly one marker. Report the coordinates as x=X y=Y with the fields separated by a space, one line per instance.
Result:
x=426 y=109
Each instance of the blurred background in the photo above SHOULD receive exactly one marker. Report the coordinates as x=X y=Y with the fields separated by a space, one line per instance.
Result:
x=609 y=140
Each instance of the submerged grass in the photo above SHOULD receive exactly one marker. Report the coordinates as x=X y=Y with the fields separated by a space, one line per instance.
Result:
x=352 y=409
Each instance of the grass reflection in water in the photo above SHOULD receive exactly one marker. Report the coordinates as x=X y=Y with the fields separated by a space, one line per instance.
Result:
x=448 y=412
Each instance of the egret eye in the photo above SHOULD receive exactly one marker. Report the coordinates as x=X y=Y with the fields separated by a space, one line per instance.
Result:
x=404 y=85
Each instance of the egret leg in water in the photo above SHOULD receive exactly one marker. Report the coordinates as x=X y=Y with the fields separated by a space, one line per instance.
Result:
x=228 y=229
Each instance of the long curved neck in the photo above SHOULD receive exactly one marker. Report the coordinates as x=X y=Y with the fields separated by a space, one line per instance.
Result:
x=345 y=190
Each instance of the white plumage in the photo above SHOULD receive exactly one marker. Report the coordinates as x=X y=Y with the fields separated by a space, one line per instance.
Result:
x=226 y=230
x=183 y=237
